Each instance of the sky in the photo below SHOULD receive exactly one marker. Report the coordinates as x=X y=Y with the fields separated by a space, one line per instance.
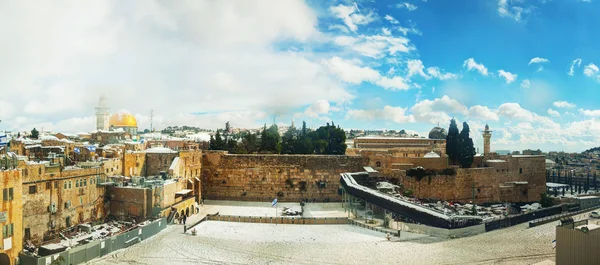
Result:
x=528 y=68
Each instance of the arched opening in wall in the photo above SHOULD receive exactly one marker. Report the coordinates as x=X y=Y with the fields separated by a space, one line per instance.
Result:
x=4 y=259
x=182 y=212
x=378 y=164
x=187 y=211
x=176 y=217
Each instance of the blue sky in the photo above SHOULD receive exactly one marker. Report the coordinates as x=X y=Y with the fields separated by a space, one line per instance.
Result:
x=526 y=67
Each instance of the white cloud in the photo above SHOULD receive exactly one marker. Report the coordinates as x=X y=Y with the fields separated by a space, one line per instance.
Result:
x=591 y=70
x=575 y=62
x=434 y=111
x=339 y=27
x=408 y=6
x=350 y=71
x=526 y=83
x=320 y=107
x=563 y=104
x=437 y=73
x=508 y=9
x=516 y=112
x=388 y=113
x=509 y=77
x=376 y=46
x=538 y=60
x=415 y=67
x=386 y=31
x=391 y=19
x=483 y=113
x=553 y=113
x=177 y=58
x=405 y=30
x=351 y=16
x=591 y=113
x=394 y=83
x=470 y=64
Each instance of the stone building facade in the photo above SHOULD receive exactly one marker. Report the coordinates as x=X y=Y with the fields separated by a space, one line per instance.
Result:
x=11 y=216
x=263 y=177
x=512 y=179
x=55 y=198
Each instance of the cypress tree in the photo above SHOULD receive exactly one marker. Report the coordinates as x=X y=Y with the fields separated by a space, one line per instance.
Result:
x=467 y=150
x=452 y=142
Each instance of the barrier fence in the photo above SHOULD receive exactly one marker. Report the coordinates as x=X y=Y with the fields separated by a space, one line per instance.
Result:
x=99 y=248
x=522 y=218
x=279 y=220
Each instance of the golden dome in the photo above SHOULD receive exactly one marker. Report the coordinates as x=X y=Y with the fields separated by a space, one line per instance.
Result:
x=123 y=119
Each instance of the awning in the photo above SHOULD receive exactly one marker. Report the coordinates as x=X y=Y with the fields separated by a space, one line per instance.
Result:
x=183 y=192
x=197 y=179
x=191 y=182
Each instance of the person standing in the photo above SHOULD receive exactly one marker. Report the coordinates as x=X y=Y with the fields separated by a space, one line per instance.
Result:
x=184 y=219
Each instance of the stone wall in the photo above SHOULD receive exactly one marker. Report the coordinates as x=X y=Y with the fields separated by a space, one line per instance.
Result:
x=112 y=166
x=134 y=164
x=190 y=168
x=516 y=180
x=130 y=201
x=157 y=162
x=13 y=208
x=72 y=192
x=262 y=177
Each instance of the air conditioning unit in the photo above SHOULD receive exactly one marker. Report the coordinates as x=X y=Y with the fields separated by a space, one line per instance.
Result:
x=52 y=208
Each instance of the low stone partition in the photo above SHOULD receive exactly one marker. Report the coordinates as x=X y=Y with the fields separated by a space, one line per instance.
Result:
x=84 y=253
x=279 y=220
x=445 y=233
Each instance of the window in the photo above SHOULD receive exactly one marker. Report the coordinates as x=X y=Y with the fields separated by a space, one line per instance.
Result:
x=85 y=182
x=39 y=170
x=32 y=189
x=520 y=170
x=48 y=185
x=65 y=185
x=27 y=235
x=7 y=231
x=76 y=183
x=7 y=194
x=378 y=164
x=69 y=184
x=56 y=184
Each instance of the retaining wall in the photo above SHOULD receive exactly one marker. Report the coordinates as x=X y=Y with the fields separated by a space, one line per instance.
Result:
x=87 y=252
x=279 y=220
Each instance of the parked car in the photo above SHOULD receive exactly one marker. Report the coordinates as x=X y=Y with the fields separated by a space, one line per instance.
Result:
x=595 y=215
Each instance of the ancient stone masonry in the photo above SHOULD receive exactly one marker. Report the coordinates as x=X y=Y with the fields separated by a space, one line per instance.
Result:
x=262 y=177
x=157 y=162
x=11 y=214
x=54 y=199
x=515 y=179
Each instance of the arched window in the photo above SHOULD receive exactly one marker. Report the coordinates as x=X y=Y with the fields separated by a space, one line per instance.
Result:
x=378 y=164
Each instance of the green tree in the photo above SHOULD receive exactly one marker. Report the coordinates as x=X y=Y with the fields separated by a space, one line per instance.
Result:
x=545 y=200
x=289 y=141
x=270 y=141
x=227 y=128
x=467 y=151
x=250 y=144
x=452 y=142
x=216 y=142
x=34 y=134
x=305 y=141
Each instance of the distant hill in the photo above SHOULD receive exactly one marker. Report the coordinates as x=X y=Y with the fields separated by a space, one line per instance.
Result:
x=591 y=150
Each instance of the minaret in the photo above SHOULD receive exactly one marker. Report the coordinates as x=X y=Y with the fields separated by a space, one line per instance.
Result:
x=487 y=136
x=102 y=114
